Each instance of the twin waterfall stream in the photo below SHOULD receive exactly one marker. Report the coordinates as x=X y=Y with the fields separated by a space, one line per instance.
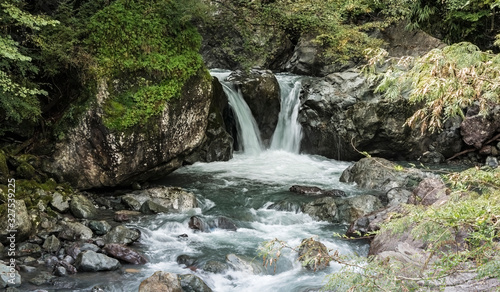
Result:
x=246 y=190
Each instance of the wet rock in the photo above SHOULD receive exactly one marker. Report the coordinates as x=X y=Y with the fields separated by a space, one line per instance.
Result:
x=215 y=267
x=60 y=271
x=23 y=224
x=51 y=244
x=165 y=199
x=161 y=281
x=225 y=223
x=125 y=215
x=305 y=190
x=28 y=248
x=42 y=279
x=244 y=264
x=149 y=207
x=99 y=227
x=81 y=207
x=59 y=203
x=192 y=283
x=315 y=191
x=122 y=235
x=428 y=191
x=130 y=202
x=90 y=261
x=125 y=253
x=350 y=209
x=285 y=205
x=313 y=255
x=9 y=276
x=323 y=209
x=76 y=248
x=380 y=174
x=198 y=223
x=186 y=260
x=75 y=231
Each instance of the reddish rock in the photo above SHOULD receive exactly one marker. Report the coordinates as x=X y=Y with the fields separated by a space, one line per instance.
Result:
x=125 y=253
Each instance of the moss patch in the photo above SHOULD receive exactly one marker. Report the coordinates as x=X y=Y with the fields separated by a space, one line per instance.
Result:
x=147 y=61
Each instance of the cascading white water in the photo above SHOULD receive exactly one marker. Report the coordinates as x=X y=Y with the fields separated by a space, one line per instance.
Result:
x=288 y=132
x=248 y=131
x=244 y=189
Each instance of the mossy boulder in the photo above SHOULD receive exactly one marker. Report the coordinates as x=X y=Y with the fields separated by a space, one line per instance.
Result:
x=93 y=156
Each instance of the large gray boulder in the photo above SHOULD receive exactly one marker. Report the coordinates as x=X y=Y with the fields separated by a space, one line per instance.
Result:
x=90 y=261
x=383 y=175
x=93 y=156
x=340 y=115
x=161 y=199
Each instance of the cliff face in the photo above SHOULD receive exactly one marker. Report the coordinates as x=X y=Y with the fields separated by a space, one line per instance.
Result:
x=93 y=156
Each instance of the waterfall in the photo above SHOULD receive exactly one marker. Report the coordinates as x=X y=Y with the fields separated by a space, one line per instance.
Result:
x=248 y=131
x=288 y=132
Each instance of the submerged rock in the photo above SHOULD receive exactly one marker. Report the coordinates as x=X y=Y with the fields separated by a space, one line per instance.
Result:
x=202 y=225
x=244 y=264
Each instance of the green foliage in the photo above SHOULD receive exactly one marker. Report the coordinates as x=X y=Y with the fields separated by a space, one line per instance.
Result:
x=444 y=81
x=151 y=39
x=19 y=94
x=453 y=20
